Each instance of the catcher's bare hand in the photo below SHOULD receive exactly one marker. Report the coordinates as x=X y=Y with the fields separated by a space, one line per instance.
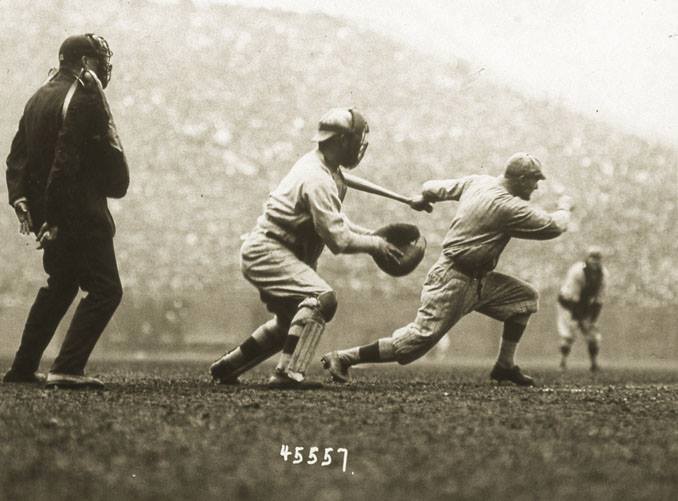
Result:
x=387 y=250
x=24 y=217
x=46 y=234
x=418 y=203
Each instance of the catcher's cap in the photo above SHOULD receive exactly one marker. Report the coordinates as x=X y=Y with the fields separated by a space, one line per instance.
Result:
x=88 y=44
x=523 y=165
x=409 y=240
x=335 y=121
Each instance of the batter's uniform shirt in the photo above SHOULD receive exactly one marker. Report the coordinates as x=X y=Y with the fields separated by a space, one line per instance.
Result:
x=463 y=280
x=301 y=216
x=571 y=290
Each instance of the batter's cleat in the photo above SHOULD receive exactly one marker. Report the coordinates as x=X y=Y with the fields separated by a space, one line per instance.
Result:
x=514 y=375
x=281 y=380
x=222 y=373
x=12 y=376
x=57 y=380
x=336 y=366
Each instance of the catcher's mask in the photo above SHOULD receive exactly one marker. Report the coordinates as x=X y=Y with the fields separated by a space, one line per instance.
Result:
x=409 y=240
x=75 y=47
x=352 y=130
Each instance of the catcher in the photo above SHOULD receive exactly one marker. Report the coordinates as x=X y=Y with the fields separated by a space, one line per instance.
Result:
x=491 y=211
x=279 y=257
x=579 y=303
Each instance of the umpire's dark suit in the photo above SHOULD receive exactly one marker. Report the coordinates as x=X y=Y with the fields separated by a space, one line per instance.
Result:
x=66 y=171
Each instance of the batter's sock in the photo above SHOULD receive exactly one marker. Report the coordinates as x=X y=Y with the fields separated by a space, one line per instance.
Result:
x=509 y=342
x=378 y=352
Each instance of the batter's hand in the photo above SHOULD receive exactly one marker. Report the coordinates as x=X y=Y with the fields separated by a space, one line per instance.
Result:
x=418 y=203
x=46 y=234
x=387 y=251
x=24 y=216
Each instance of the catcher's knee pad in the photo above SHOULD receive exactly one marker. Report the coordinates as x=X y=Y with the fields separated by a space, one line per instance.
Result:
x=327 y=304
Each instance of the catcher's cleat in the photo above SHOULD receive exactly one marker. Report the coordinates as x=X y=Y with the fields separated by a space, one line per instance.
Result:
x=514 y=375
x=281 y=380
x=221 y=372
x=72 y=382
x=336 y=366
x=13 y=376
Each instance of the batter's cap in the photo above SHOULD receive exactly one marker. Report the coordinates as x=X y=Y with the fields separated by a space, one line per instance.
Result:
x=523 y=165
x=336 y=121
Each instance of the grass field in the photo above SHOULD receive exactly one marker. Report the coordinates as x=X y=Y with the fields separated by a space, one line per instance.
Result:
x=161 y=430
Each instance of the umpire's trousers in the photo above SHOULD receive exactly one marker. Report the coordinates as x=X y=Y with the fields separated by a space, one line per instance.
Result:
x=71 y=263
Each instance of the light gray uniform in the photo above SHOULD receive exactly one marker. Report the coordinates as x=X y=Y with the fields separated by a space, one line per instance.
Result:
x=462 y=280
x=572 y=290
x=301 y=216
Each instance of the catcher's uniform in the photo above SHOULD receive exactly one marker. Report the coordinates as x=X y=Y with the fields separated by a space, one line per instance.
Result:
x=586 y=296
x=462 y=279
x=301 y=216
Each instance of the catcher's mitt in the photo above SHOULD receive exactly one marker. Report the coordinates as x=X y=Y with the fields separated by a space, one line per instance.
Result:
x=408 y=239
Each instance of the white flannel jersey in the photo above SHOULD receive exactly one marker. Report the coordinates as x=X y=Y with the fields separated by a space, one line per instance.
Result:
x=487 y=217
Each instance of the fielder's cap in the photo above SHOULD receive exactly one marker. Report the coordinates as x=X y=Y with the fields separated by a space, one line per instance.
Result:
x=76 y=46
x=594 y=252
x=523 y=165
x=335 y=121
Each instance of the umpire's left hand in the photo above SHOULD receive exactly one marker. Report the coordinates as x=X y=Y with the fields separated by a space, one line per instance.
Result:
x=46 y=234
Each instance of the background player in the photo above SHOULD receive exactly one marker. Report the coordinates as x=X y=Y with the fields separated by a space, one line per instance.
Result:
x=579 y=303
x=302 y=216
x=491 y=210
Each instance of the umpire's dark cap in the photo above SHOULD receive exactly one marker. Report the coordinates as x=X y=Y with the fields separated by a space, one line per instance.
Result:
x=523 y=165
x=76 y=46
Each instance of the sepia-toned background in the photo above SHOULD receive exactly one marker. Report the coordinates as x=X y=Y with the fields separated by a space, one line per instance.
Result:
x=214 y=103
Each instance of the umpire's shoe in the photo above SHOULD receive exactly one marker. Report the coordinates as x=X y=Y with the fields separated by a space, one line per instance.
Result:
x=514 y=375
x=281 y=380
x=336 y=366
x=12 y=376
x=72 y=382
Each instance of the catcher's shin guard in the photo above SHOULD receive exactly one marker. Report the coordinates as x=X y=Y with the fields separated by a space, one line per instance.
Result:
x=305 y=349
x=303 y=338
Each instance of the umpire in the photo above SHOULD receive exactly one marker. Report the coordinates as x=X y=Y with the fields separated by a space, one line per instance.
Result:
x=65 y=161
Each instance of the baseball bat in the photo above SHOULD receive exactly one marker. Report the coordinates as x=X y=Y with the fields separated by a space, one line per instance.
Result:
x=358 y=183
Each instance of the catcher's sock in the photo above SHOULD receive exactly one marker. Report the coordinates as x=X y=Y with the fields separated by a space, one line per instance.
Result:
x=261 y=340
x=509 y=342
x=286 y=355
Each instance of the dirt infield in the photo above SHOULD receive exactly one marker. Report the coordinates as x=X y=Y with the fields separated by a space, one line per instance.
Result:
x=161 y=431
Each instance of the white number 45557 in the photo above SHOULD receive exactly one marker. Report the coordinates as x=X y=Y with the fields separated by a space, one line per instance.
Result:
x=312 y=457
